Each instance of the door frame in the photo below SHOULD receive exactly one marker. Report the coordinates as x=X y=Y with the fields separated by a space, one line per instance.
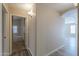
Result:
x=26 y=28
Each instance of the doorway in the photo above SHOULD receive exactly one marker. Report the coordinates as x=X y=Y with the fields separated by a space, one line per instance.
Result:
x=18 y=33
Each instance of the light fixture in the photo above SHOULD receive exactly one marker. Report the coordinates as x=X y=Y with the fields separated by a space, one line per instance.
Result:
x=29 y=7
x=31 y=13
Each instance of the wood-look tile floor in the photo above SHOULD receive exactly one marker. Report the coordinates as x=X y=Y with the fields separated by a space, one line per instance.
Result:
x=18 y=45
x=18 y=49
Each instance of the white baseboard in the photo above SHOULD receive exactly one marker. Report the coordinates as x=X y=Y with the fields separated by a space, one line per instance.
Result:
x=31 y=51
x=6 y=54
x=55 y=50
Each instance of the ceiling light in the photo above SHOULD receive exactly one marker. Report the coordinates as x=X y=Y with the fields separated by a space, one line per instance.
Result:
x=31 y=13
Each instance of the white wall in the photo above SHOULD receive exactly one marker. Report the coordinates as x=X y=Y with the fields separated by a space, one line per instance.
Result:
x=49 y=29
x=32 y=35
x=32 y=31
x=0 y=29
x=5 y=32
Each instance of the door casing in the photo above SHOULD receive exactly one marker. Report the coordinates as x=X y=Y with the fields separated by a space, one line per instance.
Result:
x=26 y=28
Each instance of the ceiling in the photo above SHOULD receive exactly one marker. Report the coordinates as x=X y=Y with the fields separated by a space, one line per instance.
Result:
x=25 y=6
x=59 y=7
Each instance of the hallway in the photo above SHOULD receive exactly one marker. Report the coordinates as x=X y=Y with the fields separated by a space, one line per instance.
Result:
x=39 y=29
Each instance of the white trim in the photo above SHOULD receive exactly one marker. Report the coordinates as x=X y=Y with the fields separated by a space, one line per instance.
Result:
x=61 y=53
x=55 y=50
x=31 y=51
x=6 y=54
x=1 y=29
x=76 y=36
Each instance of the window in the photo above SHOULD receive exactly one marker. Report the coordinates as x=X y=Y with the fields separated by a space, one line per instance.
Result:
x=69 y=20
x=15 y=29
x=72 y=29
